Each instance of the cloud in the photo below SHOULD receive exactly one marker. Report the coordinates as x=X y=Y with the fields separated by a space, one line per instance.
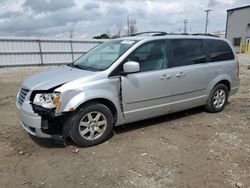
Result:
x=211 y=3
x=52 y=23
x=91 y=6
x=87 y=18
x=39 y=6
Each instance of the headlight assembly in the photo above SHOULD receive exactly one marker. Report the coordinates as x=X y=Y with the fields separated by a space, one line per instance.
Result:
x=47 y=100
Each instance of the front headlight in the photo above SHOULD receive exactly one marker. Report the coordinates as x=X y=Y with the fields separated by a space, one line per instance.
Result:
x=47 y=100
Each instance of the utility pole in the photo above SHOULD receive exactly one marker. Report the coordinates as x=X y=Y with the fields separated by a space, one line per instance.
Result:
x=185 y=25
x=207 y=12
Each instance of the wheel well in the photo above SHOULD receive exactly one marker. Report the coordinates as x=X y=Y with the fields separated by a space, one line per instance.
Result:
x=226 y=83
x=106 y=102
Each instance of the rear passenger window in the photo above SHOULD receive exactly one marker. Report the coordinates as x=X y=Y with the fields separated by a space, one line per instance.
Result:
x=219 y=50
x=188 y=52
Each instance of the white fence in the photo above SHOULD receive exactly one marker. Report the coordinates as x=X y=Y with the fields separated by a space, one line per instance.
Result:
x=23 y=51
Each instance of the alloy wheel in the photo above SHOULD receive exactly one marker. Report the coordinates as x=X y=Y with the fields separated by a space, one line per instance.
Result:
x=219 y=98
x=92 y=125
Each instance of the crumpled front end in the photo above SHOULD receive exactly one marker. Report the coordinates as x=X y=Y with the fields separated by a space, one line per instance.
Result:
x=37 y=120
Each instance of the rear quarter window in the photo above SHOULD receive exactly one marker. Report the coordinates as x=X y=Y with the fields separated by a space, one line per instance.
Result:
x=219 y=50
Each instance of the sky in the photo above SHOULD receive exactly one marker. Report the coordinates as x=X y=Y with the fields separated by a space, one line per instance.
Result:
x=88 y=18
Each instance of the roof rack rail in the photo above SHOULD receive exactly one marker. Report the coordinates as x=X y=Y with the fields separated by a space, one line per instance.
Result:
x=203 y=34
x=162 y=33
x=157 y=33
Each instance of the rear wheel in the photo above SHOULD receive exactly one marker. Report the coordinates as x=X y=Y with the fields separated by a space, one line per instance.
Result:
x=91 y=125
x=217 y=99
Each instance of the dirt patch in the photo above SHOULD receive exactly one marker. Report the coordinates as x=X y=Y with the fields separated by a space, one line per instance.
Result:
x=187 y=149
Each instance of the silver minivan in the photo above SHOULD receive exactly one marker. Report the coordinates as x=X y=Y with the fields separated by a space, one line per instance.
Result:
x=127 y=80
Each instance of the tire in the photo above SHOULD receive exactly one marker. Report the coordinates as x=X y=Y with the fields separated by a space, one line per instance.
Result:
x=218 y=99
x=91 y=125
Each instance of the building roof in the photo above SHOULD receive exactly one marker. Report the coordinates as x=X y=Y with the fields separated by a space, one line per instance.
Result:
x=238 y=8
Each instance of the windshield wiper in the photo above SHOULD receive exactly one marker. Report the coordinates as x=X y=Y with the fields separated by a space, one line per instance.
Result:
x=80 y=67
x=76 y=66
x=83 y=67
x=70 y=64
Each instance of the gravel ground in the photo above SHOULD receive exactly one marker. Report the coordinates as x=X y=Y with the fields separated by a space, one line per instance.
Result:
x=186 y=149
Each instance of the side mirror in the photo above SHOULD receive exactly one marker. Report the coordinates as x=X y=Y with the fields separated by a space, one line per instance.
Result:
x=131 y=67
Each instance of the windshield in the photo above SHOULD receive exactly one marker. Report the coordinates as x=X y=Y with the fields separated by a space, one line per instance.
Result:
x=104 y=55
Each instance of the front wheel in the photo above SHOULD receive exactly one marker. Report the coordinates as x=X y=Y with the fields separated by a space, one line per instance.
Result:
x=217 y=99
x=91 y=125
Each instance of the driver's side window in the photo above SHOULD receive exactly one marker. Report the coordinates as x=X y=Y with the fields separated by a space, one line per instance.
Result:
x=151 y=56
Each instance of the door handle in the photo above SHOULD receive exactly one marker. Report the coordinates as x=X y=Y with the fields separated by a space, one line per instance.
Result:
x=165 y=77
x=180 y=75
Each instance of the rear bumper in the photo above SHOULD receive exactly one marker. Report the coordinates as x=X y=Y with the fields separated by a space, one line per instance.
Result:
x=30 y=121
x=234 y=90
x=235 y=87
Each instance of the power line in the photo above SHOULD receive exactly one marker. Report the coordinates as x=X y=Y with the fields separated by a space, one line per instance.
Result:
x=207 y=12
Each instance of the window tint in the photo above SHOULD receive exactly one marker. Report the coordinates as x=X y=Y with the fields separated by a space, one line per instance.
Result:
x=188 y=52
x=219 y=50
x=151 y=56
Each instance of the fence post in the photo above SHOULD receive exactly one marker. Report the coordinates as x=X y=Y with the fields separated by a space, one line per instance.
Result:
x=40 y=51
x=72 y=52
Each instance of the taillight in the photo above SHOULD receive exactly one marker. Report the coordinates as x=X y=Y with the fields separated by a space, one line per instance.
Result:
x=238 y=69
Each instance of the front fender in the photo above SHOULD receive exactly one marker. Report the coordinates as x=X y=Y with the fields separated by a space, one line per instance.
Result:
x=85 y=96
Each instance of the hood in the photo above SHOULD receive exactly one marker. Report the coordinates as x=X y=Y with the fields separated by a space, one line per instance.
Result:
x=54 y=77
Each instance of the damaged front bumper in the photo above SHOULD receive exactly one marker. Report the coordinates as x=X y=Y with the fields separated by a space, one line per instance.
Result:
x=39 y=121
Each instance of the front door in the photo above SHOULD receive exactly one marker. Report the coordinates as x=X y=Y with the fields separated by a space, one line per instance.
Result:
x=147 y=93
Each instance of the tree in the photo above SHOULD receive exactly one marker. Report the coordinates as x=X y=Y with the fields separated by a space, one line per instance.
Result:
x=118 y=33
x=119 y=30
x=108 y=33
x=102 y=36
x=131 y=26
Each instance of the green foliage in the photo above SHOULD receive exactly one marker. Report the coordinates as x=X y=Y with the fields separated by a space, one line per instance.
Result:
x=102 y=36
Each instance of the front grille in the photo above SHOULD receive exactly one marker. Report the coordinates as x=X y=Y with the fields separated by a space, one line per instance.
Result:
x=22 y=94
